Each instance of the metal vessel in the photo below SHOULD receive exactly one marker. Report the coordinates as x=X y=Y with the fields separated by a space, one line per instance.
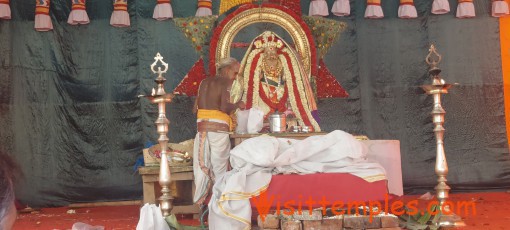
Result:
x=277 y=122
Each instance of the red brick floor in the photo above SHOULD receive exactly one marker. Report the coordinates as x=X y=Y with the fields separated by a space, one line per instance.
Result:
x=492 y=212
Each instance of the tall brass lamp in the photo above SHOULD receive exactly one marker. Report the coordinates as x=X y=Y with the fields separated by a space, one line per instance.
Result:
x=160 y=97
x=436 y=89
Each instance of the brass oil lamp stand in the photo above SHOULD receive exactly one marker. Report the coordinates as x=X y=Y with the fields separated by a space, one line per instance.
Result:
x=160 y=97
x=447 y=218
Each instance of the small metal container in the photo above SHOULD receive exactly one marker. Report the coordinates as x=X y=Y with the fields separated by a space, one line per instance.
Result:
x=277 y=123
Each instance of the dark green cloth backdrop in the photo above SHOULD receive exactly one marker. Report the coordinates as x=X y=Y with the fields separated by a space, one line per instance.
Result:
x=70 y=114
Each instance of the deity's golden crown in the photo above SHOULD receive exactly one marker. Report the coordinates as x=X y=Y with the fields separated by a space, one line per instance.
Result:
x=268 y=39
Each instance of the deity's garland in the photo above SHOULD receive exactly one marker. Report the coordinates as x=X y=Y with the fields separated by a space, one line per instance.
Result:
x=5 y=9
x=465 y=9
x=318 y=8
x=300 y=103
x=204 y=8
x=407 y=9
x=278 y=106
x=499 y=8
x=42 y=16
x=374 y=9
x=163 y=10
x=120 y=16
x=341 y=8
x=78 y=13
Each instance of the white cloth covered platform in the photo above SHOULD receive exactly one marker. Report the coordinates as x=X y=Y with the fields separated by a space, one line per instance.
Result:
x=255 y=160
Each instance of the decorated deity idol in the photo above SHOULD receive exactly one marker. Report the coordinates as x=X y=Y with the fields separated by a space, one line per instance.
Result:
x=272 y=79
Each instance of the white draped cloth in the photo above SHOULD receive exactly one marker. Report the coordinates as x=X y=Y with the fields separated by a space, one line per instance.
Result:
x=341 y=8
x=255 y=160
x=374 y=9
x=318 y=8
x=499 y=8
x=5 y=9
x=204 y=8
x=407 y=9
x=42 y=21
x=78 y=13
x=465 y=9
x=120 y=15
x=163 y=10
x=440 y=7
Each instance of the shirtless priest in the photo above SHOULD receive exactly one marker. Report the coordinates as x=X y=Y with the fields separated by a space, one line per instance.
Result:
x=212 y=142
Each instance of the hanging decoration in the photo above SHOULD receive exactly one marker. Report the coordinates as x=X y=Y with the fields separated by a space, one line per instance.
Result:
x=120 y=16
x=341 y=8
x=440 y=7
x=5 y=9
x=198 y=31
x=293 y=5
x=163 y=10
x=78 y=13
x=226 y=5
x=325 y=34
x=318 y=8
x=42 y=16
x=465 y=9
x=204 y=8
x=374 y=9
x=407 y=9
x=327 y=85
x=499 y=8
x=189 y=85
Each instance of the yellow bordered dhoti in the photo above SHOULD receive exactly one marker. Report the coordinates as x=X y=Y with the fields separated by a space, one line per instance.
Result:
x=211 y=150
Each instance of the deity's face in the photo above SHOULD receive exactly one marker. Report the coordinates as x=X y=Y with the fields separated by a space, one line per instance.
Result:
x=270 y=53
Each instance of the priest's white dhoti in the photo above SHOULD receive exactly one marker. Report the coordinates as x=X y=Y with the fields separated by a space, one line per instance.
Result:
x=255 y=160
x=210 y=160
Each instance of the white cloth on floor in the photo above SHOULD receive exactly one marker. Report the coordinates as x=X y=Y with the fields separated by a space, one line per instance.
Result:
x=255 y=160
x=151 y=218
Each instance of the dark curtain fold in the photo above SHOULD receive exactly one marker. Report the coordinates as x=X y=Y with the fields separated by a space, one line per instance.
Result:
x=71 y=116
